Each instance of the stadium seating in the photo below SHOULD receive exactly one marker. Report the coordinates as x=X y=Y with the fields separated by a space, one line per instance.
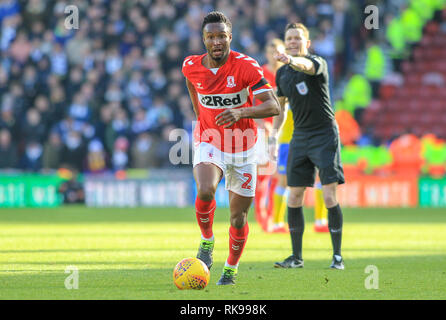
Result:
x=419 y=105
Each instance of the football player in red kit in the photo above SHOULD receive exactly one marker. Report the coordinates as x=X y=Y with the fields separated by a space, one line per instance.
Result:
x=266 y=180
x=221 y=85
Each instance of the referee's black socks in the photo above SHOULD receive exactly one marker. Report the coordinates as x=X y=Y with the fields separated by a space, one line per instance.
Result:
x=296 y=223
x=335 y=222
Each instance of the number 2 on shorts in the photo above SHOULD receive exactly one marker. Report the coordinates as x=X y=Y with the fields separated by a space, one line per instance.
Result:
x=246 y=185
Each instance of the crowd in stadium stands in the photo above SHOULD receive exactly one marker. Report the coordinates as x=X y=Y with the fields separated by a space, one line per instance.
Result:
x=107 y=95
x=404 y=147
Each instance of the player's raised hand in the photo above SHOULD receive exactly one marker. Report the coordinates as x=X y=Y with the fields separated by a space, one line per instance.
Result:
x=228 y=117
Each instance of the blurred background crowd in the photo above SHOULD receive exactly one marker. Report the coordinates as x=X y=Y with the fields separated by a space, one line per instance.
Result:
x=106 y=96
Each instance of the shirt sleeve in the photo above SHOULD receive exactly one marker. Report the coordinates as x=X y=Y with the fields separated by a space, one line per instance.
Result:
x=320 y=65
x=254 y=77
x=261 y=86
x=186 y=63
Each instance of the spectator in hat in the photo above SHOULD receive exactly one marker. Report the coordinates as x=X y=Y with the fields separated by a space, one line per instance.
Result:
x=96 y=157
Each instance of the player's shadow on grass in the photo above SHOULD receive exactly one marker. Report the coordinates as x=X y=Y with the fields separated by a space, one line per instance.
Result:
x=401 y=277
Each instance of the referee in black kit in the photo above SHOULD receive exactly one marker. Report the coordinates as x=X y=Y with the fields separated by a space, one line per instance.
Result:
x=303 y=81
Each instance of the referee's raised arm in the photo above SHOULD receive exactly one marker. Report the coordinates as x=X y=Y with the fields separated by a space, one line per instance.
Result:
x=301 y=64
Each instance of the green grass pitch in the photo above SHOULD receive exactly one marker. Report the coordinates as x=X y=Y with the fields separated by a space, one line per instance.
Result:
x=130 y=254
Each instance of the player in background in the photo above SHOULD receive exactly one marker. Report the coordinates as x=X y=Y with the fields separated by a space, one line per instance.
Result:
x=280 y=191
x=315 y=143
x=266 y=182
x=221 y=85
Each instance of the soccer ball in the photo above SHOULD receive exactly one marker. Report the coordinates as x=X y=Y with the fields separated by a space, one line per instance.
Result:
x=191 y=273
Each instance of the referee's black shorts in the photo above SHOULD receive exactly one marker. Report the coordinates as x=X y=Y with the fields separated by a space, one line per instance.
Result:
x=319 y=149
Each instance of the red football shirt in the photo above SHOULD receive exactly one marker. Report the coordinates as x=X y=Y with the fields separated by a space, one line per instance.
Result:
x=231 y=86
x=271 y=78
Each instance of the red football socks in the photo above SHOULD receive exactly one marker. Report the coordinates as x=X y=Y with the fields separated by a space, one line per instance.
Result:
x=272 y=187
x=261 y=199
x=237 y=241
x=205 y=216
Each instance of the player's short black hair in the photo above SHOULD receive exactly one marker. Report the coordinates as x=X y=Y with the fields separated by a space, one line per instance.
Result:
x=216 y=17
